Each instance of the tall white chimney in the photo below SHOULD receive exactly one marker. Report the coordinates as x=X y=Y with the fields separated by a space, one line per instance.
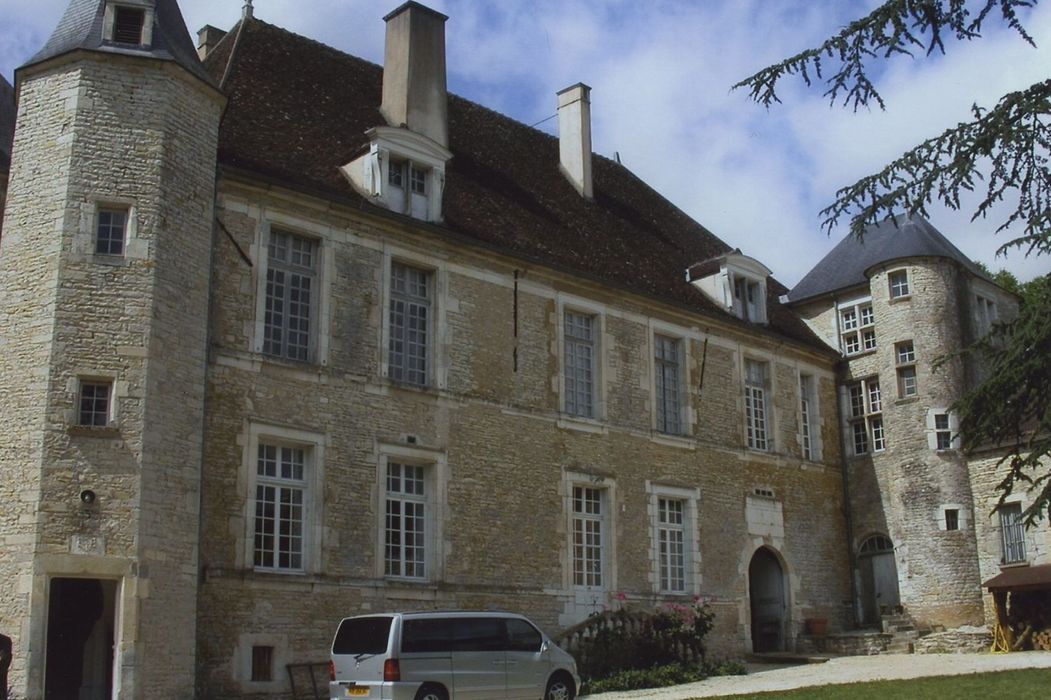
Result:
x=414 y=86
x=574 y=137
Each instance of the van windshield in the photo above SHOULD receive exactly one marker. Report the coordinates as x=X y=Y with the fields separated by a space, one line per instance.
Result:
x=362 y=635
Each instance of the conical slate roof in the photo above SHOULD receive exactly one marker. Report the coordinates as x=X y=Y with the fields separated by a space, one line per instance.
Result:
x=82 y=24
x=848 y=263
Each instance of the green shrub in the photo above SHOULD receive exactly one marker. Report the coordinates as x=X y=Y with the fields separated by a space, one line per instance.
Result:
x=655 y=677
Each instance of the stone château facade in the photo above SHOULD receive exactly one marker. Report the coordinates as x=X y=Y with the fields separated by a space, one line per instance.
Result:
x=290 y=336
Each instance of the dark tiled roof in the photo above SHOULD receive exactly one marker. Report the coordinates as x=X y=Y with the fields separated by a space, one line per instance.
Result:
x=848 y=263
x=298 y=110
x=7 y=123
x=81 y=28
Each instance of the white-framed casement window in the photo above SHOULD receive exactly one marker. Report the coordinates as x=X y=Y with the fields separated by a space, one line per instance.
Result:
x=898 y=281
x=943 y=428
x=590 y=528
x=284 y=467
x=410 y=324
x=580 y=332
x=411 y=483
x=865 y=416
x=668 y=376
x=905 y=359
x=291 y=296
x=749 y=300
x=857 y=330
x=673 y=522
x=757 y=405
x=984 y=314
x=1012 y=533
x=809 y=418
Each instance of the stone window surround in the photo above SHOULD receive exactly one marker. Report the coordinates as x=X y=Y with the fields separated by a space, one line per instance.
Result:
x=320 y=334
x=690 y=498
x=769 y=391
x=118 y=391
x=687 y=417
x=437 y=370
x=109 y=19
x=564 y=302
x=84 y=238
x=242 y=662
x=313 y=499
x=437 y=481
x=932 y=429
x=609 y=560
x=963 y=515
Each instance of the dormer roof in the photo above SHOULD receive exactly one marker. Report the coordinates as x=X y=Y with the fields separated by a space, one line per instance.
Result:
x=82 y=28
x=848 y=264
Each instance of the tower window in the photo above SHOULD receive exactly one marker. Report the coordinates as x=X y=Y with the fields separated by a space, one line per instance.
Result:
x=110 y=231
x=94 y=403
x=128 y=23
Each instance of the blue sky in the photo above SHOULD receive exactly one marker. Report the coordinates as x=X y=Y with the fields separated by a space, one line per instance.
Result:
x=660 y=73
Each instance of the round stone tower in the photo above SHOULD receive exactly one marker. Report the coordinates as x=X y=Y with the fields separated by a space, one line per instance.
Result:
x=104 y=279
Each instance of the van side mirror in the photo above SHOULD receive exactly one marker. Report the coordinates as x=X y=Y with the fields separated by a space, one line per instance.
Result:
x=544 y=646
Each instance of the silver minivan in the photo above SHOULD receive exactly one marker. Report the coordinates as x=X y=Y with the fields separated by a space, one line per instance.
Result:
x=448 y=656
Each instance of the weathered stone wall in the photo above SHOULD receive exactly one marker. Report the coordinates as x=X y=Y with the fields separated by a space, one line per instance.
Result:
x=507 y=451
x=138 y=134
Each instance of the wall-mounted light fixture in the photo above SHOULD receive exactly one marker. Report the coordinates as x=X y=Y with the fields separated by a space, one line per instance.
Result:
x=87 y=497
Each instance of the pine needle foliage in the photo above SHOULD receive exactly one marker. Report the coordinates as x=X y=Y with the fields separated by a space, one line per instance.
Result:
x=1002 y=152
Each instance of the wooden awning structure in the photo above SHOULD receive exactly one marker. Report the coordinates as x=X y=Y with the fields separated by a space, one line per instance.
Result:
x=1022 y=578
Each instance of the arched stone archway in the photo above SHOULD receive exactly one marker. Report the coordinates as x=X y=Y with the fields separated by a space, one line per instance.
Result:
x=879 y=578
x=768 y=601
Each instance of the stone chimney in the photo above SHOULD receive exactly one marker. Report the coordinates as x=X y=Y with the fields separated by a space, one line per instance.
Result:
x=574 y=137
x=414 y=88
x=207 y=38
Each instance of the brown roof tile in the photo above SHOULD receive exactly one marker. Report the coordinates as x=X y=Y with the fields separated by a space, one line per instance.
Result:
x=298 y=110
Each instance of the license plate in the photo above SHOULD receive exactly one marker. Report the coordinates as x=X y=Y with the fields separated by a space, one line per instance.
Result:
x=357 y=692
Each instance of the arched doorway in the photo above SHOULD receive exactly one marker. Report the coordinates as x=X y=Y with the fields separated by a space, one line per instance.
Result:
x=766 y=590
x=879 y=578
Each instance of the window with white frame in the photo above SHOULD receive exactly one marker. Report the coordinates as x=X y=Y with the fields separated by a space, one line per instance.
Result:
x=748 y=300
x=942 y=429
x=94 y=402
x=407 y=521
x=984 y=313
x=589 y=533
x=579 y=337
x=1012 y=533
x=905 y=358
x=857 y=328
x=756 y=407
x=667 y=376
x=808 y=417
x=671 y=544
x=899 y=284
x=865 y=416
x=291 y=296
x=280 y=506
x=410 y=324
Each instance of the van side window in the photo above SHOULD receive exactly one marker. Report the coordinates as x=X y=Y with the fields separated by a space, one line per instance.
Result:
x=478 y=634
x=522 y=636
x=426 y=635
x=362 y=635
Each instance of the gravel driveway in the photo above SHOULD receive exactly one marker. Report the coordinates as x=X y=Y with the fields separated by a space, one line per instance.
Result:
x=845 y=669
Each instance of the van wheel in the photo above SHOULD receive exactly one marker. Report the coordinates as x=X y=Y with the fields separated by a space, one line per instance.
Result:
x=429 y=691
x=560 y=687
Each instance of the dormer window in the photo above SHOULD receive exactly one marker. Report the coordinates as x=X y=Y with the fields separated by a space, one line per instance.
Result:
x=403 y=171
x=734 y=281
x=129 y=23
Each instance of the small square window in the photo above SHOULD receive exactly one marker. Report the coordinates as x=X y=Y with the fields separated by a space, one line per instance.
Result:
x=128 y=23
x=899 y=284
x=952 y=519
x=94 y=403
x=110 y=230
x=262 y=664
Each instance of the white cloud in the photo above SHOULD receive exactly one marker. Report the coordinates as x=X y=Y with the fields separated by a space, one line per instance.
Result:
x=661 y=73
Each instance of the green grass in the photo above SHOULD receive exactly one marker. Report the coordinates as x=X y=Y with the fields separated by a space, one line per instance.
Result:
x=1028 y=683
